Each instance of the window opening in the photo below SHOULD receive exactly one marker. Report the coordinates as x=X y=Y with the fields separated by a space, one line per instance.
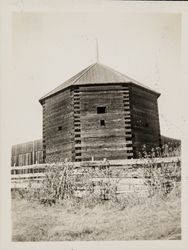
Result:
x=102 y=123
x=59 y=128
x=101 y=110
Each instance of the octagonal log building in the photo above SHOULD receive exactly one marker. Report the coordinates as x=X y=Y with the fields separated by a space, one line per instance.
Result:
x=99 y=113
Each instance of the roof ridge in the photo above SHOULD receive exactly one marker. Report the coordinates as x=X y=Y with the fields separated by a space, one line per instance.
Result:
x=84 y=71
x=113 y=70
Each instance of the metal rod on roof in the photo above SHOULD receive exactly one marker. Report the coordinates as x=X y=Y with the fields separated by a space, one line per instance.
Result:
x=97 y=50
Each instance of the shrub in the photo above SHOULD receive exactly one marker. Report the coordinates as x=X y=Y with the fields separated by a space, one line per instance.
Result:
x=94 y=184
x=64 y=181
x=161 y=178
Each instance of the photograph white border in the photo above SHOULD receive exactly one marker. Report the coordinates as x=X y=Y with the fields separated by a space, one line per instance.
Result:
x=7 y=9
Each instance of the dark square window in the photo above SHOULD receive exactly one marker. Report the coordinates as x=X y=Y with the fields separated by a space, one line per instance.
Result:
x=59 y=128
x=101 y=110
x=102 y=122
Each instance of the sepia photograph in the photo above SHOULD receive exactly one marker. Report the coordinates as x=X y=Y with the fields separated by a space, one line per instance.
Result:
x=94 y=114
x=104 y=168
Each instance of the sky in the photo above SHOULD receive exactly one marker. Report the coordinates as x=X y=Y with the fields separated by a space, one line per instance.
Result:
x=49 y=48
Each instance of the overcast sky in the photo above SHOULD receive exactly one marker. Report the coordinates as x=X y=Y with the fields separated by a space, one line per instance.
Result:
x=48 y=48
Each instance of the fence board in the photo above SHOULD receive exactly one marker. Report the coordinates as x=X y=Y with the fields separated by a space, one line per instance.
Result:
x=130 y=179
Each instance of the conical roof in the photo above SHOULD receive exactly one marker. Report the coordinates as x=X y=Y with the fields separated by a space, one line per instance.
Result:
x=96 y=73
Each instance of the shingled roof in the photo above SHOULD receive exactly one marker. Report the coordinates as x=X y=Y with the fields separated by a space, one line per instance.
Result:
x=95 y=74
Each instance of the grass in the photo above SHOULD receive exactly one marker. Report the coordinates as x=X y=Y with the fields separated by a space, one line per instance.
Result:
x=151 y=219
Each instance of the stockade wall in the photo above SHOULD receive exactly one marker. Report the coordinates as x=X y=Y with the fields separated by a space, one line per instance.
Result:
x=27 y=153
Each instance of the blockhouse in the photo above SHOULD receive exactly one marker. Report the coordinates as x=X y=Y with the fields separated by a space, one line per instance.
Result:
x=99 y=113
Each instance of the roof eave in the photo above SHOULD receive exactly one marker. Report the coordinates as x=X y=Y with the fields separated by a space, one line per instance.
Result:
x=42 y=99
x=146 y=88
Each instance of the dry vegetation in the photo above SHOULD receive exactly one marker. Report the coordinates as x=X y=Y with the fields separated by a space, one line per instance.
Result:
x=149 y=219
x=55 y=213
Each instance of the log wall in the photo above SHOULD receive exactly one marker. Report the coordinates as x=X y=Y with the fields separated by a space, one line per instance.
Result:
x=144 y=119
x=58 y=131
x=73 y=128
x=103 y=135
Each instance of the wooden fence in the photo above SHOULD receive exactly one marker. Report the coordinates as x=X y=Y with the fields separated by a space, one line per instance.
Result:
x=127 y=172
